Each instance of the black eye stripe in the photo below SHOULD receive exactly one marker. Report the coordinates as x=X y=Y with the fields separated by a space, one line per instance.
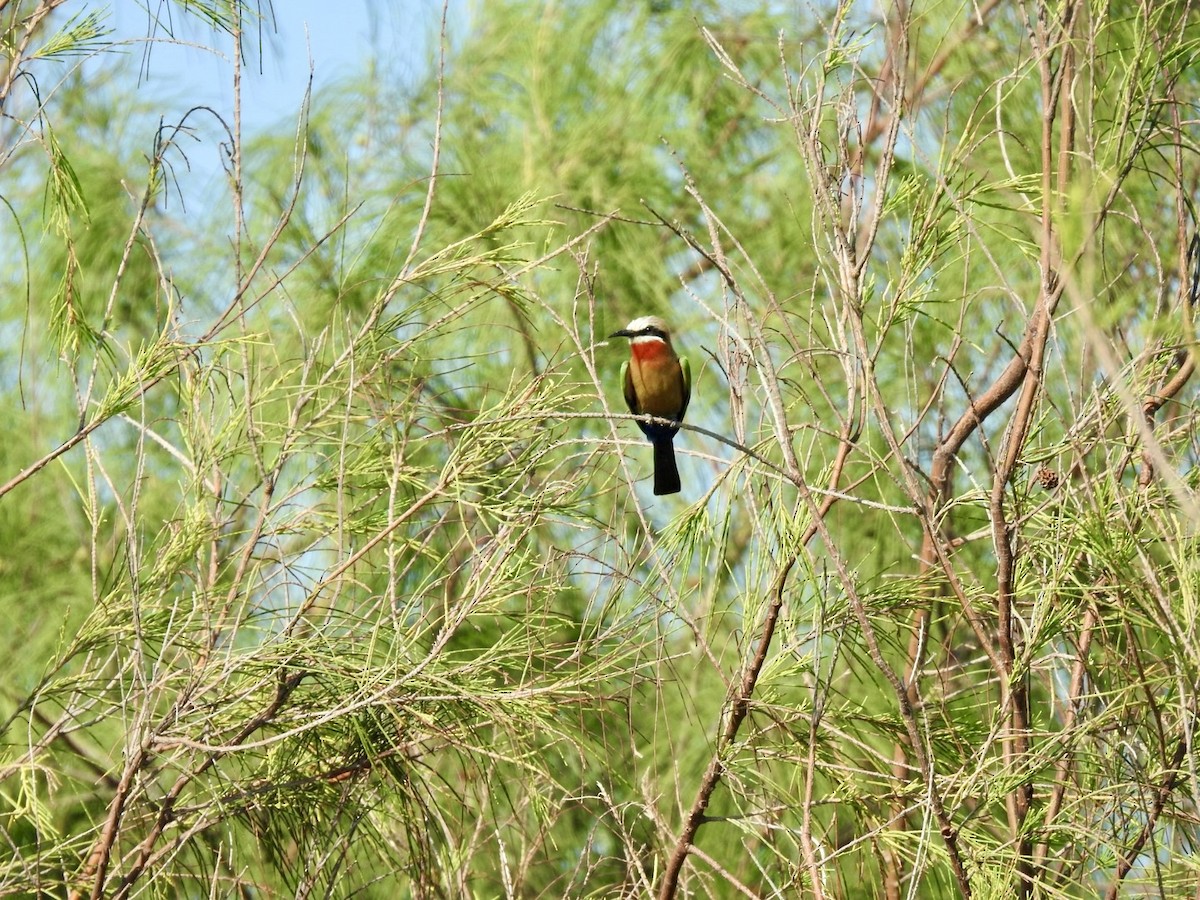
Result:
x=651 y=331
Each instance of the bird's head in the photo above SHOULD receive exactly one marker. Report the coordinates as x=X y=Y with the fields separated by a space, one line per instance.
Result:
x=645 y=329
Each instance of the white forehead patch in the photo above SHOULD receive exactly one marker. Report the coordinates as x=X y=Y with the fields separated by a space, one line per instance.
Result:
x=647 y=322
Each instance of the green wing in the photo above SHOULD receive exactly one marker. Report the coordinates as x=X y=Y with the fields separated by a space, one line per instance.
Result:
x=687 y=384
x=627 y=388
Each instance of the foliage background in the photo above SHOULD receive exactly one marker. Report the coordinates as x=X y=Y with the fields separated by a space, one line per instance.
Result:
x=330 y=564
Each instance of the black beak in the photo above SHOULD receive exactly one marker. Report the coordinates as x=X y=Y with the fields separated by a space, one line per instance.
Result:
x=624 y=332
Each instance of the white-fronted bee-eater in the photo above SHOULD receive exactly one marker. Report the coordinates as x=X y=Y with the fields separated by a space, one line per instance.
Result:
x=656 y=383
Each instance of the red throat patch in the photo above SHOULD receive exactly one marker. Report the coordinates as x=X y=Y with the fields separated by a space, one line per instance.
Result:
x=652 y=350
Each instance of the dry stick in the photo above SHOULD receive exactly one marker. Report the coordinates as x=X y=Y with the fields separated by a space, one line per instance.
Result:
x=851 y=269
x=877 y=125
x=1062 y=770
x=934 y=550
x=1189 y=291
x=96 y=865
x=965 y=37
x=1015 y=686
x=740 y=701
x=906 y=707
x=729 y=877
x=907 y=710
x=423 y=222
x=1189 y=294
x=944 y=456
x=237 y=195
x=239 y=225
x=810 y=771
x=283 y=691
x=848 y=270
x=1161 y=795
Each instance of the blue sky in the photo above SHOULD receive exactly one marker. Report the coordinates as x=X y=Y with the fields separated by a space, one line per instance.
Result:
x=183 y=63
x=340 y=36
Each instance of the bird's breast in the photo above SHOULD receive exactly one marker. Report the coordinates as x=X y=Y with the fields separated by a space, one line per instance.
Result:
x=657 y=382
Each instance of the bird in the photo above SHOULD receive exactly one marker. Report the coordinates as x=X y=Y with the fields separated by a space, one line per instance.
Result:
x=656 y=382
